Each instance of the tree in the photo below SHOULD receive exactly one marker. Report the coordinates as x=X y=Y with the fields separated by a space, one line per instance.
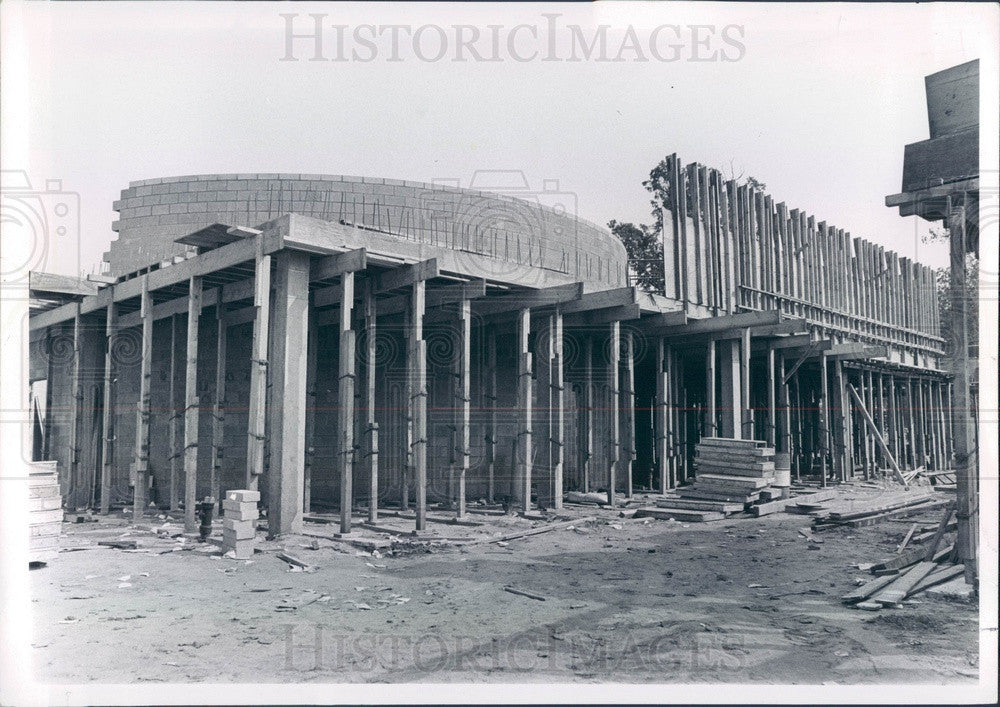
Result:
x=943 y=282
x=645 y=253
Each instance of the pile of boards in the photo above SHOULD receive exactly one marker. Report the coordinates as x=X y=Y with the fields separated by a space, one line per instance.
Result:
x=45 y=511
x=908 y=573
x=730 y=474
x=860 y=512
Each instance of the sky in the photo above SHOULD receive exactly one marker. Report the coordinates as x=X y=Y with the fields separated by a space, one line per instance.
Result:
x=816 y=101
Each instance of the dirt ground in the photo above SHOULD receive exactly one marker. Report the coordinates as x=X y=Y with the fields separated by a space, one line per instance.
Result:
x=744 y=600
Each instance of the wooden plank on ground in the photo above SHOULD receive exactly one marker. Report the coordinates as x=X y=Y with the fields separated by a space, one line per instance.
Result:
x=897 y=590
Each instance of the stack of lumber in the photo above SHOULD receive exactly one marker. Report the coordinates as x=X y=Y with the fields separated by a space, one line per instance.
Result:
x=908 y=573
x=45 y=511
x=868 y=511
x=239 y=524
x=729 y=475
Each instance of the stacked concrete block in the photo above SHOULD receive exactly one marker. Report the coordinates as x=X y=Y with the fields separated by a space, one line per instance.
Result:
x=239 y=524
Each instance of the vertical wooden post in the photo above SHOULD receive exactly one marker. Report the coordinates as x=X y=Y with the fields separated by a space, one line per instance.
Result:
x=588 y=410
x=662 y=452
x=710 y=392
x=76 y=414
x=524 y=403
x=912 y=423
x=748 y=431
x=418 y=368
x=842 y=425
x=966 y=463
x=880 y=394
x=191 y=407
x=629 y=403
x=312 y=344
x=824 y=416
x=371 y=426
x=257 y=408
x=870 y=446
x=559 y=414
x=894 y=433
x=463 y=401
x=772 y=403
x=347 y=364
x=107 y=411
x=287 y=407
x=408 y=409
x=140 y=465
x=786 y=409
x=491 y=396
x=614 y=441
x=176 y=456
x=219 y=404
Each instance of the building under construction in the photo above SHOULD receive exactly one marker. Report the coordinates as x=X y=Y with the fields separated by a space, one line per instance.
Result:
x=353 y=343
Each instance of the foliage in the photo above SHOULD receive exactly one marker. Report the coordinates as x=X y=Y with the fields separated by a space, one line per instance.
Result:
x=645 y=253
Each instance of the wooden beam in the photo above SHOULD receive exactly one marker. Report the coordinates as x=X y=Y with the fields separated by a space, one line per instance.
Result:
x=587 y=451
x=772 y=403
x=233 y=292
x=719 y=324
x=345 y=402
x=140 y=464
x=176 y=456
x=107 y=410
x=662 y=452
x=614 y=393
x=528 y=299
x=824 y=417
x=287 y=407
x=191 y=407
x=371 y=373
x=312 y=363
x=600 y=317
x=491 y=405
x=629 y=403
x=794 y=341
x=559 y=415
x=76 y=413
x=463 y=399
x=878 y=435
x=418 y=367
x=406 y=275
x=436 y=298
x=331 y=266
x=604 y=299
x=257 y=407
x=963 y=424
x=219 y=402
x=666 y=319
x=524 y=404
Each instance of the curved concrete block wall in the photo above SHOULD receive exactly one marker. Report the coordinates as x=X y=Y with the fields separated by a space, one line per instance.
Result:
x=537 y=229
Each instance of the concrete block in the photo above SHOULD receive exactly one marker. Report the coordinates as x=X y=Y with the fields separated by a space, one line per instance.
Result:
x=239 y=511
x=242 y=549
x=243 y=495
x=246 y=531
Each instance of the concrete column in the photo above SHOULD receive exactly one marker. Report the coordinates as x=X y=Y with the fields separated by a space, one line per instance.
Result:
x=287 y=406
x=524 y=404
x=731 y=403
x=345 y=401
